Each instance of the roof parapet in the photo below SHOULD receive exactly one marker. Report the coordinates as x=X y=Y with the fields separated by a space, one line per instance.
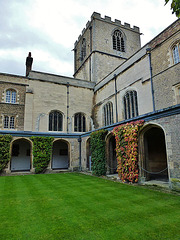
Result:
x=107 y=19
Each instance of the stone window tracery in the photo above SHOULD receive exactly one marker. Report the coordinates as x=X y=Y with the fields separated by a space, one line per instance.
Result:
x=118 y=41
x=130 y=104
x=55 y=121
x=108 y=113
x=79 y=122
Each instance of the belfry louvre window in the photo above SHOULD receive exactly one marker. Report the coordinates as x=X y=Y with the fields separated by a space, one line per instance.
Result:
x=10 y=96
x=130 y=104
x=9 y=122
x=118 y=41
x=176 y=53
x=108 y=113
x=55 y=121
x=79 y=122
x=83 y=49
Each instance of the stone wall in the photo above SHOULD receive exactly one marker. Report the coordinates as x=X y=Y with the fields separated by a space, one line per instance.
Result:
x=165 y=72
x=170 y=126
x=136 y=77
x=101 y=58
x=12 y=109
x=44 y=96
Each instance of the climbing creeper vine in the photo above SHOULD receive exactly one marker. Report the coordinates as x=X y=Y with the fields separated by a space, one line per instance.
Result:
x=126 y=136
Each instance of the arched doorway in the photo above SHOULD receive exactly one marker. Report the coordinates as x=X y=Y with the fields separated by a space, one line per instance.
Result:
x=21 y=155
x=155 y=159
x=111 y=155
x=60 y=158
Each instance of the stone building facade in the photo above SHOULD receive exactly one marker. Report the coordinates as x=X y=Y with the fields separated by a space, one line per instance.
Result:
x=12 y=104
x=115 y=81
x=103 y=46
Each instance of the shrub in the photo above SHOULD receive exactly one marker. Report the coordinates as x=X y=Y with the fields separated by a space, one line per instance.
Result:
x=97 y=143
x=4 y=150
x=42 y=150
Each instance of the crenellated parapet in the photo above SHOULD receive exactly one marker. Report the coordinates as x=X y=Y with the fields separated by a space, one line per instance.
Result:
x=107 y=19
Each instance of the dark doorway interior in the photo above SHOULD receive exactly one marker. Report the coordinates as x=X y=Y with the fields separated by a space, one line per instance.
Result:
x=155 y=155
x=112 y=161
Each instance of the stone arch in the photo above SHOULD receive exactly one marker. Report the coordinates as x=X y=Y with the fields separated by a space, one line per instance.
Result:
x=60 y=154
x=152 y=153
x=21 y=155
x=111 y=160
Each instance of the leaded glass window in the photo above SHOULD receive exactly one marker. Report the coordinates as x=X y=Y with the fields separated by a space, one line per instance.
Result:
x=108 y=113
x=55 y=121
x=118 y=41
x=10 y=96
x=176 y=53
x=79 y=122
x=130 y=104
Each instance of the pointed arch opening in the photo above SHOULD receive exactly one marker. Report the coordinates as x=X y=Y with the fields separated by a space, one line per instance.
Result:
x=111 y=154
x=153 y=154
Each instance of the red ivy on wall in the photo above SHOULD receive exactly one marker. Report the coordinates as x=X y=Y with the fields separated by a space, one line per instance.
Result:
x=126 y=136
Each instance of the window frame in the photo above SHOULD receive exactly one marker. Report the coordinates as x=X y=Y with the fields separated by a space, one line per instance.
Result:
x=83 y=49
x=11 y=96
x=9 y=122
x=108 y=114
x=79 y=122
x=55 y=121
x=176 y=52
x=118 y=41
x=130 y=101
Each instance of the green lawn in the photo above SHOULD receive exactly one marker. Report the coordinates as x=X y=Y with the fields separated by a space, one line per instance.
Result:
x=76 y=206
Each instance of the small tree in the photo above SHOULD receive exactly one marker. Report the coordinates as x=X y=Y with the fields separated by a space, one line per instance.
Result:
x=175 y=6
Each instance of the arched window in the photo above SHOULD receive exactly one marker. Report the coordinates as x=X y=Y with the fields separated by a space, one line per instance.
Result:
x=10 y=96
x=118 y=41
x=130 y=104
x=79 y=122
x=55 y=121
x=176 y=53
x=108 y=113
x=83 y=49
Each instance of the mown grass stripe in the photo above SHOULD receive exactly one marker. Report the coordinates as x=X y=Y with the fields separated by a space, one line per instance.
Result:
x=75 y=206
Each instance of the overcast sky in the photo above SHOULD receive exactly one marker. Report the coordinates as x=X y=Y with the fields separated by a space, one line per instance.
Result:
x=49 y=28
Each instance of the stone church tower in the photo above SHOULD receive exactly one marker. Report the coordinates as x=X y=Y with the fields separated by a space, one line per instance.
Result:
x=102 y=46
